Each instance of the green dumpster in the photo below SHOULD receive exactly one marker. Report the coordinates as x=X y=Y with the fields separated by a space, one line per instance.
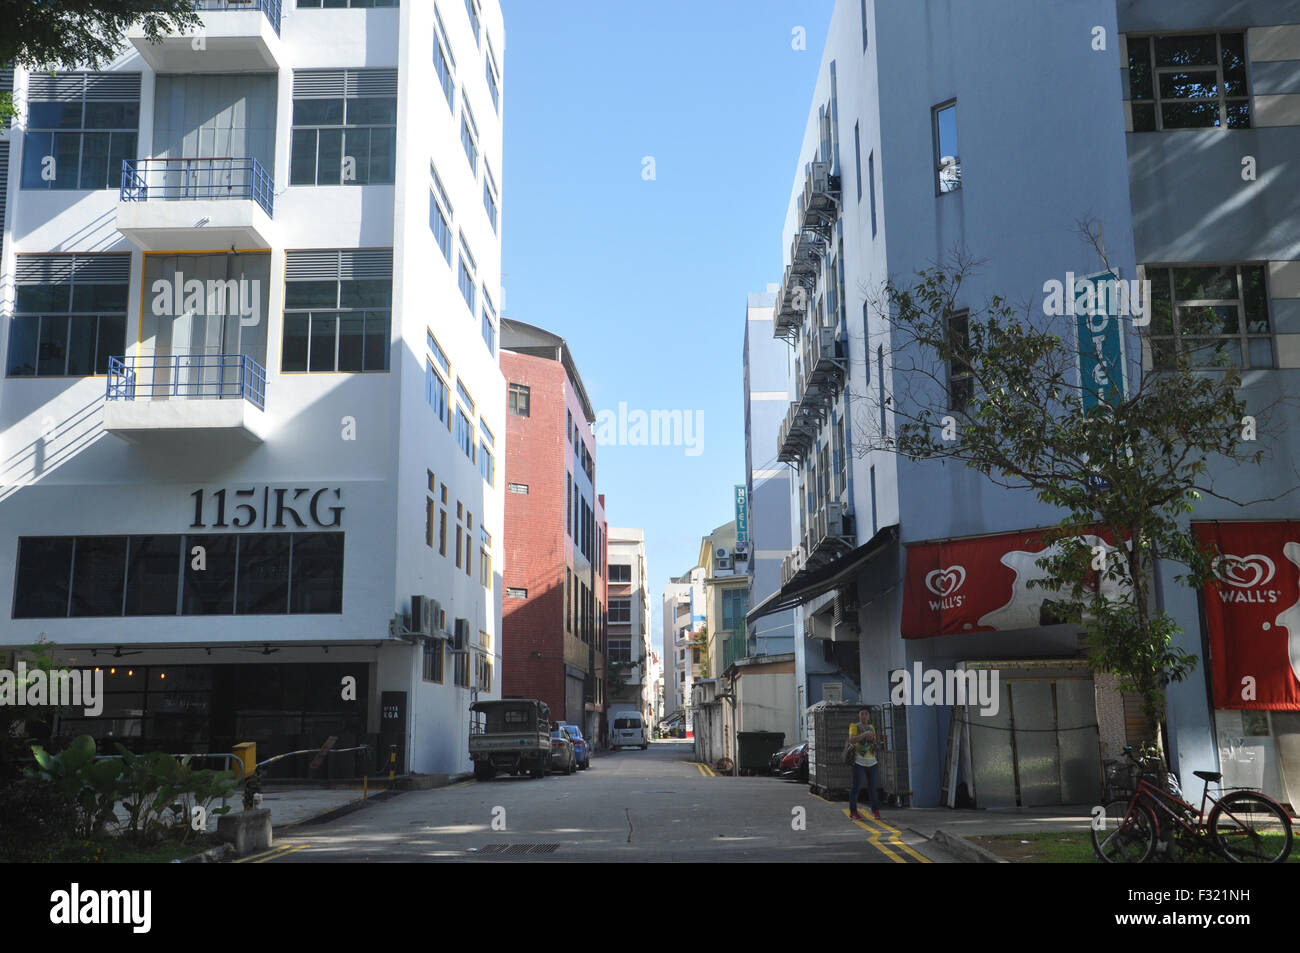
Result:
x=754 y=749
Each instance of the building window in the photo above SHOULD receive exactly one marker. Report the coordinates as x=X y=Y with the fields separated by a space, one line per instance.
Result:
x=520 y=488
x=435 y=393
x=520 y=396
x=514 y=593
x=735 y=603
x=1211 y=313
x=1188 y=81
x=337 y=324
x=469 y=134
x=471 y=8
x=619 y=650
x=494 y=84
x=329 y=4
x=620 y=572
x=489 y=324
x=441 y=64
x=947 y=160
x=871 y=184
x=490 y=196
x=69 y=314
x=460 y=667
x=484 y=669
x=464 y=434
x=433 y=658
x=620 y=610
x=857 y=158
x=344 y=127
x=961 y=384
x=440 y=227
x=442 y=527
x=242 y=574
x=864 y=26
x=468 y=269
x=487 y=464
x=485 y=560
x=80 y=128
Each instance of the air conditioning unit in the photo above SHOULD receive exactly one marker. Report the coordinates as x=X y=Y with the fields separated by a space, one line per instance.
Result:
x=424 y=615
x=721 y=553
x=724 y=562
x=833 y=518
x=827 y=342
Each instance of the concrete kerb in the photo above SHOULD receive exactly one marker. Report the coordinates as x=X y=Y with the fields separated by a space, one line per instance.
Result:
x=963 y=849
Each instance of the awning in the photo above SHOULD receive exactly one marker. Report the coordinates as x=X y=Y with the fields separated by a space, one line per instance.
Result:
x=798 y=591
x=978 y=584
x=1252 y=609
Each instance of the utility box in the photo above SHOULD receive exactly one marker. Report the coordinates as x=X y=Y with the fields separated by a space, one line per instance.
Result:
x=246 y=752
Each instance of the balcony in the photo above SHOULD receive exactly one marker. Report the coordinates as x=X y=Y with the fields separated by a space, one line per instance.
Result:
x=236 y=36
x=823 y=358
x=199 y=401
x=199 y=203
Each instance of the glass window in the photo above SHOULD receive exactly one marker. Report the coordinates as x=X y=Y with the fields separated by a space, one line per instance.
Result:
x=486 y=463
x=435 y=392
x=961 y=385
x=98 y=576
x=620 y=572
x=263 y=574
x=469 y=135
x=44 y=577
x=464 y=433
x=348 y=140
x=493 y=84
x=440 y=227
x=520 y=399
x=947 y=160
x=471 y=8
x=433 y=660
x=1188 y=81
x=209 y=586
x=66 y=329
x=153 y=575
x=59 y=149
x=337 y=326
x=1212 y=314
x=620 y=610
x=317 y=573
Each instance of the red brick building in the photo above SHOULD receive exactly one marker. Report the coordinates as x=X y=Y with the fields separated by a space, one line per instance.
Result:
x=554 y=599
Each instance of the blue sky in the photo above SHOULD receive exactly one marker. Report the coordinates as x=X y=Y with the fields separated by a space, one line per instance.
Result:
x=646 y=280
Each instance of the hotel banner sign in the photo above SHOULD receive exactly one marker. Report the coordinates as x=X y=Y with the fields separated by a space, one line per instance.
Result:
x=1252 y=611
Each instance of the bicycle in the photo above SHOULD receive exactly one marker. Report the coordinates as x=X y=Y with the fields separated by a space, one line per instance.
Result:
x=1244 y=826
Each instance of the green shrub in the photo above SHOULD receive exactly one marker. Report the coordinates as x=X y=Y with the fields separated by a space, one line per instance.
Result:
x=36 y=820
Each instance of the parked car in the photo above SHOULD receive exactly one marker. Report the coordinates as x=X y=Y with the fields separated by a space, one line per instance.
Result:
x=628 y=731
x=562 y=756
x=774 y=762
x=581 y=750
x=795 y=763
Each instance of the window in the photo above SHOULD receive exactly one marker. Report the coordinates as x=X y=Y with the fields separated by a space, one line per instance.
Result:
x=344 y=127
x=1210 y=313
x=521 y=488
x=69 y=314
x=619 y=650
x=334 y=323
x=1188 y=81
x=489 y=324
x=568 y=503
x=871 y=184
x=433 y=659
x=329 y=4
x=460 y=668
x=961 y=385
x=620 y=610
x=486 y=463
x=519 y=399
x=469 y=134
x=435 y=393
x=441 y=65
x=442 y=526
x=485 y=560
x=857 y=158
x=620 y=572
x=864 y=26
x=464 y=434
x=467 y=271
x=484 y=671
x=490 y=196
x=243 y=574
x=441 y=29
x=436 y=350
x=471 y=7
x=440 y=227
x=80 y=127
x=464 y=395
x=512 y=593
x=494 y=84
x=735 y=603
x=947 y=160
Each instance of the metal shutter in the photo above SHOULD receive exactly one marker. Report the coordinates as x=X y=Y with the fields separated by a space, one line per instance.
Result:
x=96 y=87
x=337 y=83
x=348 y=263
x=65 y=269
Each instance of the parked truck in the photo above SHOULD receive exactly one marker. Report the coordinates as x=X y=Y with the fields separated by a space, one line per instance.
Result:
x=511 y=736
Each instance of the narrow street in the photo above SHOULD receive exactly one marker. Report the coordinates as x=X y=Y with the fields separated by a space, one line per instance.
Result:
x=631 y=806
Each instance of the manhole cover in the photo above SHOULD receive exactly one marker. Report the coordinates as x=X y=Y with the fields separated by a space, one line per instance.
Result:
x=515 y=849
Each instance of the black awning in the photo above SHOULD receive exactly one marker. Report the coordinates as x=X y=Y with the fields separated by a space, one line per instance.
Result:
x=798 y=591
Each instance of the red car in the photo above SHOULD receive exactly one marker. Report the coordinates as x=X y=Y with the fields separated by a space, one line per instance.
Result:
x=795 y=764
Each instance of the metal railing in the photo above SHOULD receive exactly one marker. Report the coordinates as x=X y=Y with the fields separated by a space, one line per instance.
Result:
x=204 y=177
x=271 y=8
x=194 y=376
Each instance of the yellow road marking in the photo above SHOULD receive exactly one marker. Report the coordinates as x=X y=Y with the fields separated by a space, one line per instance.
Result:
x=893 y=833
x=283 y=853
x=705 y=770
x=896 y=840
x=258 y=858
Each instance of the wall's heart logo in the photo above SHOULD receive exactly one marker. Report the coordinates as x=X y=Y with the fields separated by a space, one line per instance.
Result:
x=1244 y=572
x=944 y=582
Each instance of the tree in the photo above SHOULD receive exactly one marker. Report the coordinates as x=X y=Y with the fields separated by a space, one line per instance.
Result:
x=998 y=390
x=67 y=34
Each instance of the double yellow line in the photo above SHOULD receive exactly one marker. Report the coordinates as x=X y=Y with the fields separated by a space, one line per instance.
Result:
x=893 y=837
x=705 y=770
x=273 y=854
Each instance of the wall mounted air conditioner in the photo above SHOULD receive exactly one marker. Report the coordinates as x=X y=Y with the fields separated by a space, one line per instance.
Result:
x=424 y=615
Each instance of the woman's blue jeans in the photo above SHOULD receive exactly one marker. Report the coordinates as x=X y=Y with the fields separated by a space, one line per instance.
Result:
x=868 y=778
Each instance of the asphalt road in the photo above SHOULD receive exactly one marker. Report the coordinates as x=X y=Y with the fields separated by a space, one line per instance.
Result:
x=630 y=807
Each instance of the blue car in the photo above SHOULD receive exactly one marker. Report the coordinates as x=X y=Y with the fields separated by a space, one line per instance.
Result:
x=581 y=749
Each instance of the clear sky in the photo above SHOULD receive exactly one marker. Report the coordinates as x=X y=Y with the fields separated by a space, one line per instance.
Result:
x=646 y=278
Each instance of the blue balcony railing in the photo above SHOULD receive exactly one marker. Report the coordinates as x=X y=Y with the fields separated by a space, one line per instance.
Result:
x=174 y=180
x=271 y=8
x=192 y=376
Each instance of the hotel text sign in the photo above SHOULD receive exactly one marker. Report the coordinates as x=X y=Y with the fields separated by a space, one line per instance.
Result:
x=268 y=508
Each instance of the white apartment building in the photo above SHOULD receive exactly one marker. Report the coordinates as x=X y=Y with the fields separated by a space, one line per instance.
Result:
x=684 y=616
x=252 y=416
x=628 y=616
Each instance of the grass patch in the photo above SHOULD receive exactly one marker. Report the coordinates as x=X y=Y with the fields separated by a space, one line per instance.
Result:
x=1075 y=847
x=119 y=850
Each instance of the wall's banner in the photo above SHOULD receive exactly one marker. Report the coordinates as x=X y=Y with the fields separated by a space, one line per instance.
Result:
x=1252 y=610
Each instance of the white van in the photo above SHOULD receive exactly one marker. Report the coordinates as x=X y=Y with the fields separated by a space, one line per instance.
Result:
x=628 y=731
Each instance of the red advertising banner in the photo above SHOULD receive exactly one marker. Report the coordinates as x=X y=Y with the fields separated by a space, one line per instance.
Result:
x=975 y=585
x=1252 y=609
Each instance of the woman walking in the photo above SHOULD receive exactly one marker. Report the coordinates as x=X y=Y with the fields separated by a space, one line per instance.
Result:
x=866 y=769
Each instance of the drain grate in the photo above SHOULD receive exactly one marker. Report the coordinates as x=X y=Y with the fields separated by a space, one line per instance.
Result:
x=516 y=849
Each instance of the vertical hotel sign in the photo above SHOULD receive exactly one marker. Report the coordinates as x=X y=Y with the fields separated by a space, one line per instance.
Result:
x=742 y=515
x=1098 y=304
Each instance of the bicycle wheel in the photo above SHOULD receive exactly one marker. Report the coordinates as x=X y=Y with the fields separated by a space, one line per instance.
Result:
x=1250 y=828
x=1121 y=838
